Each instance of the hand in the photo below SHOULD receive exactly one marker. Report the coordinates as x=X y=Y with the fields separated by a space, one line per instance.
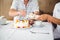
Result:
x=31 y=21
x=22 y=12
x=42 y=17
x=36 y=12
x=31 y=16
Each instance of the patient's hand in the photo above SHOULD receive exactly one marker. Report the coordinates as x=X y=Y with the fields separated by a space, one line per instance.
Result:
x=42 y=17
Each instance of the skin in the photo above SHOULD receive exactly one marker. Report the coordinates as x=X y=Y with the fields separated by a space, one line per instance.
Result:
x=48 y=18
x=54 y=20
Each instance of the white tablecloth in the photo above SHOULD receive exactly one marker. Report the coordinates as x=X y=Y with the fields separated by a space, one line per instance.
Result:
x=44 y=32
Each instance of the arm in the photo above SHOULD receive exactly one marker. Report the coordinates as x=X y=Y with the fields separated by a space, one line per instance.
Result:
x=56 y=14
x=53 y=19
x=48 y=18
x=13 y=12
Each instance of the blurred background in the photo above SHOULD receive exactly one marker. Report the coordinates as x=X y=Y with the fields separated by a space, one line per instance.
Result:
x=46 y=6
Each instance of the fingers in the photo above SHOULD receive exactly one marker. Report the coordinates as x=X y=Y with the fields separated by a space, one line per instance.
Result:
x=40 y=17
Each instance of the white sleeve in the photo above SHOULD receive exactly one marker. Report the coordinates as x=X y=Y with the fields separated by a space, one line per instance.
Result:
x=14 y=4
x=35 y=6
x=56 y=12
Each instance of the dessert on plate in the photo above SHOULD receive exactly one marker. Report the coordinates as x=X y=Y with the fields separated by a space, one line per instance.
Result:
x=21 y=23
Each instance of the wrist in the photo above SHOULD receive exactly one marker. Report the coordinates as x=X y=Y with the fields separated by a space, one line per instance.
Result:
x=48 y=18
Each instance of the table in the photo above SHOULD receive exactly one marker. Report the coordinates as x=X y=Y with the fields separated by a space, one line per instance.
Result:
x=7 y=32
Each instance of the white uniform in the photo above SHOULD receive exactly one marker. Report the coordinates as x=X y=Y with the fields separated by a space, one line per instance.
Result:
x=31 y=6
x=56 y=14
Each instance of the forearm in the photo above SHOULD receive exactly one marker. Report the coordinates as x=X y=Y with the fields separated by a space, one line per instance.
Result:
x=13 y=12
x=54 y=20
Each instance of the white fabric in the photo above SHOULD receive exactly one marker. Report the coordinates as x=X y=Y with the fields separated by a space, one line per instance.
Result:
x=32 y=5
x=56 y=14
x=7 y=32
